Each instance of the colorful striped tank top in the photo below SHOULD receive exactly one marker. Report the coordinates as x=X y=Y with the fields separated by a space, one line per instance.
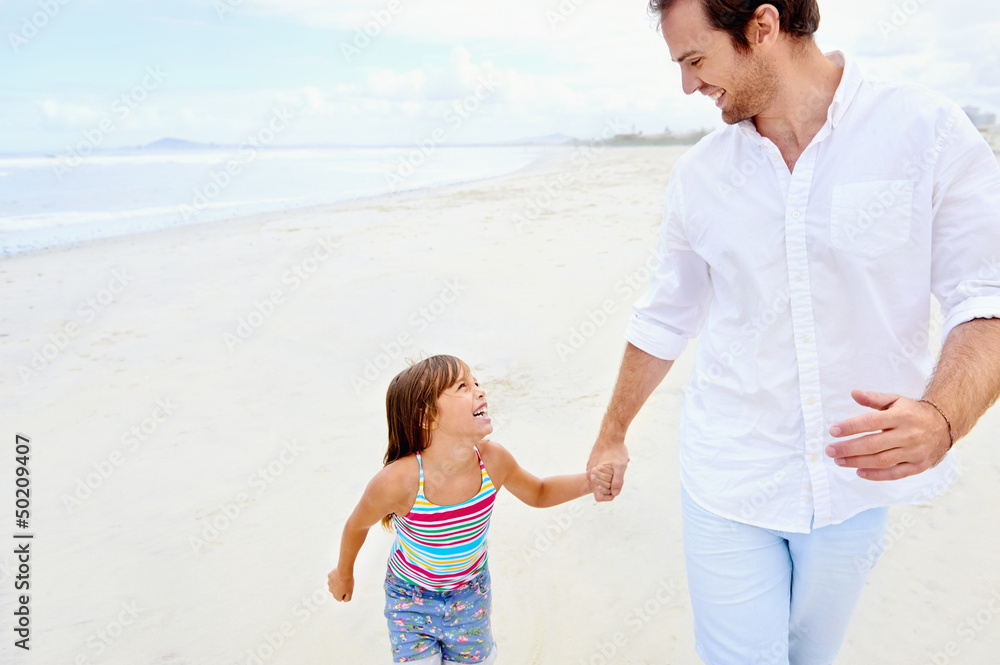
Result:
x=441 y=547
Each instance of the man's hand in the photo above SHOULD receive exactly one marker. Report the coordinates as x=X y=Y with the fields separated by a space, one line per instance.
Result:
x=341 y=585
x=609 y=455
x=910 y=437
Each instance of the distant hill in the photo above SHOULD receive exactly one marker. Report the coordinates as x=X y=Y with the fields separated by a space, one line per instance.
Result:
x=666 y=138
x=549 y=139
x=178 y=144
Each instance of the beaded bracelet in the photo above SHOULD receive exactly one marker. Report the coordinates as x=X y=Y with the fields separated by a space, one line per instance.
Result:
x=951 y=434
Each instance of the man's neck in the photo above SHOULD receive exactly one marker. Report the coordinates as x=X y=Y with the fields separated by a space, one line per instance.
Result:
x=809 y=82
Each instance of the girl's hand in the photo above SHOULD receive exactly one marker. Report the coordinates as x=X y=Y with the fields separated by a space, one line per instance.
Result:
x=341 y=585
x=601 y=476
x=609 y=452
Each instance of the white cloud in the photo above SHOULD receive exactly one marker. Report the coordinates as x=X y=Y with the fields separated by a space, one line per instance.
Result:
x=64 y=115
x=604 y=61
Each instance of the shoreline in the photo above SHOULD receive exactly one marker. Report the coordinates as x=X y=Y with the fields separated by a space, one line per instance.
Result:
x=544 y=153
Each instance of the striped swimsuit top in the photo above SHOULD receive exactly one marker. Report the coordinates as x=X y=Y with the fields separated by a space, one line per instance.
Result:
x=441 y=547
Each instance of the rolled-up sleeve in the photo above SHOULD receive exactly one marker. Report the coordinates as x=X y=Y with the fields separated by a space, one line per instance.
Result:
x=965 y=269
x=675 y=306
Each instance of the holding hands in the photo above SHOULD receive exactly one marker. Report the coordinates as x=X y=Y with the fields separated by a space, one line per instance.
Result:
x=600 y=480
x=606 y=468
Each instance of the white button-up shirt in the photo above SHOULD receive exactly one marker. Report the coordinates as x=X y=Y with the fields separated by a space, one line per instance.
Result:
x=811 y=283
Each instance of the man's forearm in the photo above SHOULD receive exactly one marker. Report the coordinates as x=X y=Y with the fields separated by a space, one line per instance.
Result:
x=638 y=377
x=966 y=381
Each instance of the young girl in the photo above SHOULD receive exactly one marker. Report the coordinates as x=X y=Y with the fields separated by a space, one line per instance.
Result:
x=437 y=488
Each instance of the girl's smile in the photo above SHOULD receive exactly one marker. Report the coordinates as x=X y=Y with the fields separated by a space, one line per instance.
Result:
x=462 y=410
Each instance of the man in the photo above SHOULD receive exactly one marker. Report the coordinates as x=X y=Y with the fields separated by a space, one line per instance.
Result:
x=802 y=243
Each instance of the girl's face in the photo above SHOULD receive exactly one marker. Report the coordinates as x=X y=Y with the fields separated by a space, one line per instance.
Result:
x=461 y=410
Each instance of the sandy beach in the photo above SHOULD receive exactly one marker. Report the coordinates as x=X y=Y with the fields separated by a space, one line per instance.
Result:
x=205 y=405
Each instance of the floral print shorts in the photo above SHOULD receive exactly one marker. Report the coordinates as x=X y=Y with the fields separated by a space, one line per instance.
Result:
x=453 y=623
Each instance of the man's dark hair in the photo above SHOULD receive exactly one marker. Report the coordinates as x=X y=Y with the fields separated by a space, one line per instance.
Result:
x=799 y=18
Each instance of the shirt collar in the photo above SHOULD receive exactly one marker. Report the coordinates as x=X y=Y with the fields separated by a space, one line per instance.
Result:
x=847 y=91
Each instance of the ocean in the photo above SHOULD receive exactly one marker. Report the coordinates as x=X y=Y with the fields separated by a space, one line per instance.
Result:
x=47 y=201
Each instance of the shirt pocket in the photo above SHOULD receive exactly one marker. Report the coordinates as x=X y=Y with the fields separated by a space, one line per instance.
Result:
x=869 y=219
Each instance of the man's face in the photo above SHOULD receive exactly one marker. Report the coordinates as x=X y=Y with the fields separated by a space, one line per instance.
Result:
x=741 y=85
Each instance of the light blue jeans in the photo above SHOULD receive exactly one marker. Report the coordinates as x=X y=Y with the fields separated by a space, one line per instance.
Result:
x=440 y=627
x=768 y=597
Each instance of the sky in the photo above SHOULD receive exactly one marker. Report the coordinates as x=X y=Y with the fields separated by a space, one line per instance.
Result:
x=116 y=73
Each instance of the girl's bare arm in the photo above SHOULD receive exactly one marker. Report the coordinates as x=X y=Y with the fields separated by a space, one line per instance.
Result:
x=534 y=491
x=384 y=494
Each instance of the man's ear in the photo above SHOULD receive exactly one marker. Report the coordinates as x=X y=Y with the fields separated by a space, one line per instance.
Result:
x=764 y=26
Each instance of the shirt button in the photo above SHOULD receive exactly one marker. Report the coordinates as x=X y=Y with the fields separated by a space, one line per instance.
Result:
x=806 y=500
x=813 y=458
x=812 y=400
x=775 y=156
x=799 y=277
x=795 y=214
x=809 y=488
x=806 y=338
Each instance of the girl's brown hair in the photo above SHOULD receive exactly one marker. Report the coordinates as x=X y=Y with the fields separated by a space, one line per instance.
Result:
x=411 y=406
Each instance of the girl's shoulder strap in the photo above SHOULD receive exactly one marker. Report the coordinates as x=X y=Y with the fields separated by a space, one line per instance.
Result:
x=420 y=481
x=483 y=473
